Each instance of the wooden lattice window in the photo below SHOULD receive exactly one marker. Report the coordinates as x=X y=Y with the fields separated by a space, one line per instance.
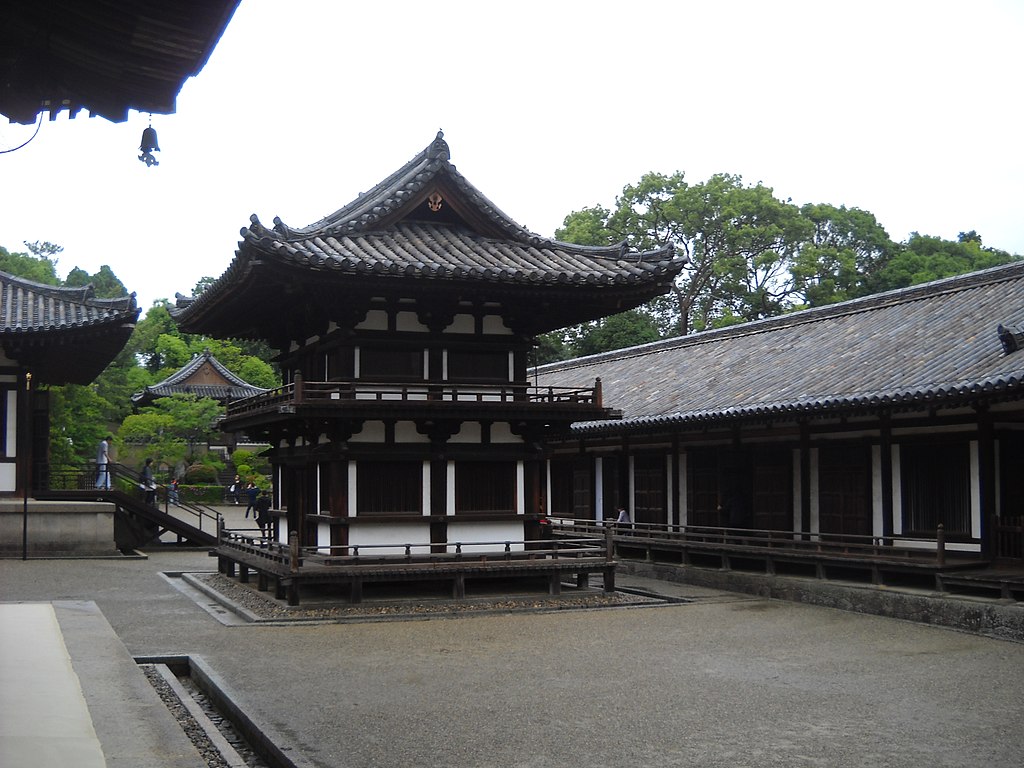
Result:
x=485 y=488
x=936 y=487
x=389 y=487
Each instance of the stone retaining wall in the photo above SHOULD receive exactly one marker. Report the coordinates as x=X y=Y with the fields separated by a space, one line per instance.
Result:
x=990 y=617
x=57 y=529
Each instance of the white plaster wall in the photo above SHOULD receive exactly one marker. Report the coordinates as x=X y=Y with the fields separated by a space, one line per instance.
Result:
x=501 y=432
x=495 y=324
x=406 y=432
x=461 y=324
x=323 y=537
x=599 y=489
x=392 y=536
x=408 y=321
x=469 y=432
x=476 y=536
x=11 y=438
x=375 y=320
x=372 y=432
x=8 y=477
x=520 y=488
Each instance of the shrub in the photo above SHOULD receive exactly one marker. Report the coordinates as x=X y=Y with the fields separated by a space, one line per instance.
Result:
x=200 y=473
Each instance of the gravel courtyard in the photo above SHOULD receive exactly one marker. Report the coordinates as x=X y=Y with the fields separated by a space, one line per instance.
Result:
x=726 y=680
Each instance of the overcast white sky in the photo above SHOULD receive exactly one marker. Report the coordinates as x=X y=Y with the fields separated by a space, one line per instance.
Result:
x=910 y=110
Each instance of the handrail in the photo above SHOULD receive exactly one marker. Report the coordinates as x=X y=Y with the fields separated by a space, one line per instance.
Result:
x=349 y=391
x=765 y=540
x=122 y=479
x=583 y=548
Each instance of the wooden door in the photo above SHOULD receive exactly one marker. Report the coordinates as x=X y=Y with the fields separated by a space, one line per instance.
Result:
x=844 y=489
x=1008 y=527
x=771 y=475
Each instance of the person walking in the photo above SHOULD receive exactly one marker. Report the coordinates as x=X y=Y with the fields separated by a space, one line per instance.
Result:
x=236 y=488
x=149 y=483
x=251 y=492
x=263 y=513
x=103 y=463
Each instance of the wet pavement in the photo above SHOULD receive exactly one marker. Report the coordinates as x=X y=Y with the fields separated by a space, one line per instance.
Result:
x=724 y=680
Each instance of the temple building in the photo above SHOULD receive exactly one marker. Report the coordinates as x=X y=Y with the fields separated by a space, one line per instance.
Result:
x=203 y=376
x=49 y=335
x=404 y=323
x=887 y=417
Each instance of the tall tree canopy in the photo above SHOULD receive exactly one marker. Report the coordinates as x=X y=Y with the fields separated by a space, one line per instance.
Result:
x=751 y=255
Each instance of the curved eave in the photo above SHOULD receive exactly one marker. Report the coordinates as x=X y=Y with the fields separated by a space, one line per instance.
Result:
x=949 y=396
x=263 y=260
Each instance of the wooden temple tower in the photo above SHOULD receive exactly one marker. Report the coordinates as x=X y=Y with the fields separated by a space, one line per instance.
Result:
x=404 y=324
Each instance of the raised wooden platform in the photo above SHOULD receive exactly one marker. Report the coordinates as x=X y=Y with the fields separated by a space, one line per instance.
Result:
x=289 y=568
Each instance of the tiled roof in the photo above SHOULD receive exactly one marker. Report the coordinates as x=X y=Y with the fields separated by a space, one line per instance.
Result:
x=932 y=344
x=28 y=307
x=232 y=387
x=62 y=334
x=397 y=230
x=107 y=56
x=438 y=251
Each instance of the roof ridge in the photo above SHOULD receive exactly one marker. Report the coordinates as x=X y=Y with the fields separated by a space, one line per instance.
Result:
x=953 y=284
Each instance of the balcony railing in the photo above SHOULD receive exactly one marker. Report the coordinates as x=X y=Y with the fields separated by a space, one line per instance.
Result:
x=302 y=392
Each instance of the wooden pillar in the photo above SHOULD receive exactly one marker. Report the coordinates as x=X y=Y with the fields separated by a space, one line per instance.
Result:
x=805 y=477
x=885 y=446
x=987 y=481
x=555 y=583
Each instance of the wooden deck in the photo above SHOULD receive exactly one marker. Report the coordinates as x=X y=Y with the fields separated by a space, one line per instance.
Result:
x=905 y=561
x=288 y=568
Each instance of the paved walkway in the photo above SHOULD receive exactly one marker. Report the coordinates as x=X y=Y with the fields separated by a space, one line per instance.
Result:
x=727 y=680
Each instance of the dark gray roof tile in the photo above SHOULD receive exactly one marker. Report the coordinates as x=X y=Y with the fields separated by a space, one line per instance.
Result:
x=934 y=343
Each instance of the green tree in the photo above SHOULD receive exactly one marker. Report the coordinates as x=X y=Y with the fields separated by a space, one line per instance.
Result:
x=31 y=267
x=105 y=283
x=173 y=428
x=925 y=258
x=740 y=241
x=842 y=257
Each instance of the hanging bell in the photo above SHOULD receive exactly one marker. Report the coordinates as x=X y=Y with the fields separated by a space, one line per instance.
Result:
x=148 y=146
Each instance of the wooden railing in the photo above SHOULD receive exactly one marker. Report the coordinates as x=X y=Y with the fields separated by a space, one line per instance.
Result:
x=294 y=557
x=348 y=392
x=909 y=548
x=86 y=484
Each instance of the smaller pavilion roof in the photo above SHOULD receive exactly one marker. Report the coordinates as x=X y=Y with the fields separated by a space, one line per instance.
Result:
x=62 y=335
x=951 y=342
x=203 y=376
